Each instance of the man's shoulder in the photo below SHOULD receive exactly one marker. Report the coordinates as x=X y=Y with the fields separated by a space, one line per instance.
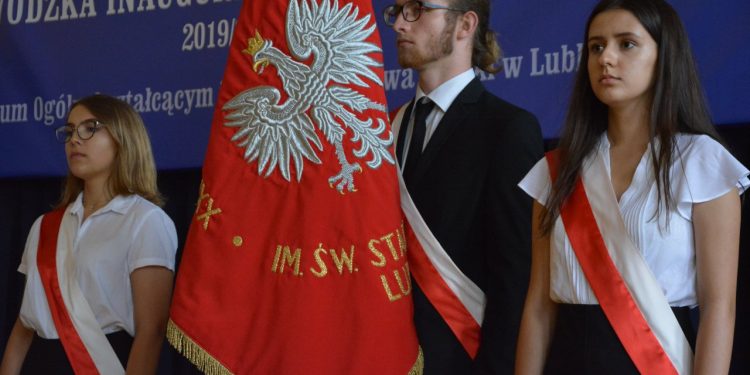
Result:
x=477 y=94
x=497 y=104
x=507 y=120
x=502 y=116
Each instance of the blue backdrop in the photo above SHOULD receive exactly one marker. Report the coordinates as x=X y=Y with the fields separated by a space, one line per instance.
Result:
x=166 y=57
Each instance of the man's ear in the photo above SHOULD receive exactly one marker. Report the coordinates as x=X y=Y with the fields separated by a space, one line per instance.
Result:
x=467 y=25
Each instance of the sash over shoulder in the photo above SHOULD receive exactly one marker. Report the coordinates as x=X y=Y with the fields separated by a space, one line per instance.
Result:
x=85 y=345
x=625 y=287
x=458 y=300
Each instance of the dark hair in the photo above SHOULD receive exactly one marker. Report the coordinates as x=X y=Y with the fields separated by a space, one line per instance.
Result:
x=133 y=170
x=678 y=104
x=485 y=51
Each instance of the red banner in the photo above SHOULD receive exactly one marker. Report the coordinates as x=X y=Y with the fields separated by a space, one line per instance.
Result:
x=296 y=257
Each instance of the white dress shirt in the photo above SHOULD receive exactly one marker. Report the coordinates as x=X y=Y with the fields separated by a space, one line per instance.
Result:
x=704 y=171
x=443 y=96
x=126 y=234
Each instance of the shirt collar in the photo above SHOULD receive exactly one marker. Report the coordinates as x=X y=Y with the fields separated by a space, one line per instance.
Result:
x=604 y=144
x=119 y=204
x=444 y=95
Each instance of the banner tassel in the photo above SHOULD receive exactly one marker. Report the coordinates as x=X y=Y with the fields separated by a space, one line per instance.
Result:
x=418 y=368
x=195 y=354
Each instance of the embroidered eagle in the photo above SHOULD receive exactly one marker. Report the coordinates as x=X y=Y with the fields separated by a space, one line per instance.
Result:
x=277 y=134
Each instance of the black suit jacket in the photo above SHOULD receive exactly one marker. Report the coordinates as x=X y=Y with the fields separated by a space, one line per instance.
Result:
x=465 y=188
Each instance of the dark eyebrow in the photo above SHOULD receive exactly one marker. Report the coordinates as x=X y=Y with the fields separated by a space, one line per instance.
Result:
x=618 y=35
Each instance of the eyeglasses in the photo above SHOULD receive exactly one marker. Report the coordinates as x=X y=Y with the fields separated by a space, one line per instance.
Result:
x=85 y=130
x=411 y=10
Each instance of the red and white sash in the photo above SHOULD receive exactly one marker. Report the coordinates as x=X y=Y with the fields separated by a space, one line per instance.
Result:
x=458 y=300
x=87 y=348
x=625 y=287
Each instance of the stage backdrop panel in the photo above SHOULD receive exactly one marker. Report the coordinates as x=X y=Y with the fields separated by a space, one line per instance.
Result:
x=166 y=58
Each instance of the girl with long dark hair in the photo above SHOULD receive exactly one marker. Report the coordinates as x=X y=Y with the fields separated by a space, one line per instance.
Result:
x=637 y=213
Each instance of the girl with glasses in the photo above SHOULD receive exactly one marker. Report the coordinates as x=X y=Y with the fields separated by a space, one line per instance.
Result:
x=99 y=267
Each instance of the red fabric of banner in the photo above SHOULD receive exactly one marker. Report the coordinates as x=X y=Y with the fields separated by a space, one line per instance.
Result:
x=296 y=259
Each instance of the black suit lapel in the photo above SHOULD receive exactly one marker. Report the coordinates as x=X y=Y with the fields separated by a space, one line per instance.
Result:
x=402 y=130
x=451 y=121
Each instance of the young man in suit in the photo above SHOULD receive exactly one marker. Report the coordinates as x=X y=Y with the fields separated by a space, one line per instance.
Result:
x=463 y=151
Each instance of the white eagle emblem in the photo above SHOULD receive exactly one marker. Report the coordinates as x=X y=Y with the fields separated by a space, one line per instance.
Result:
x=276 y=133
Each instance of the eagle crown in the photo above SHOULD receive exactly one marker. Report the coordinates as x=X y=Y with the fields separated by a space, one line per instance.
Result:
x=254 y=44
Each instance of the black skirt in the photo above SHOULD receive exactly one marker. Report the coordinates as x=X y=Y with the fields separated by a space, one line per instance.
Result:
x=46 y=356
x=585 y=343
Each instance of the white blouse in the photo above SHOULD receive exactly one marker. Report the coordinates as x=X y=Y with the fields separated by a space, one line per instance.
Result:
x=128 y=233
x=702 y=170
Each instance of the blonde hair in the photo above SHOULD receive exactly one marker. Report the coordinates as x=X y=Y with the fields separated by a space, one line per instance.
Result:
x=133 y=169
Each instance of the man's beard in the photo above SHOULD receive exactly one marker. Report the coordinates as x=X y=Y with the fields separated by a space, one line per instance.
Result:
x=436 y=49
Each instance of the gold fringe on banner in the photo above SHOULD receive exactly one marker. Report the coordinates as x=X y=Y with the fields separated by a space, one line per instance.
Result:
x=210 y=366
x=418 y=368
x=194 y=353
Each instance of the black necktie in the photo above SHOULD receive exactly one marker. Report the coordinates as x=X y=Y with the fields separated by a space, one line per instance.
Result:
x=422 y=108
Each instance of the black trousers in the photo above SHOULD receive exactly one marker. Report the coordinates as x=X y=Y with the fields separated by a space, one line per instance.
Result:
x=585 y=343
x=47 y=356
